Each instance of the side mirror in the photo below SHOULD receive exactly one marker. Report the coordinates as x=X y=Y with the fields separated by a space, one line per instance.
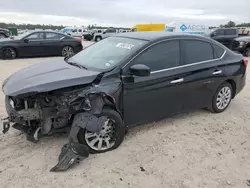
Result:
x=140 y=70
x=213 y=34
x=26 y=40
x=104 y=32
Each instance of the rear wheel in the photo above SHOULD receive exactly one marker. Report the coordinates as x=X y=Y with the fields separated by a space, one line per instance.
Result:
x=109 y=138
x=222 y=98
x=9 y=53
x=67 y=51
x=247 y=52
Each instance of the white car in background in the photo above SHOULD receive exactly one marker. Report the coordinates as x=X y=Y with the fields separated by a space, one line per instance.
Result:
x=104 y=34
x=76 y=32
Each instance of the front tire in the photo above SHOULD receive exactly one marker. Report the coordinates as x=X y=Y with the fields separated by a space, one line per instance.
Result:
x=9 y=53
x=110 y=137
x=67 y=51
x=222 y=98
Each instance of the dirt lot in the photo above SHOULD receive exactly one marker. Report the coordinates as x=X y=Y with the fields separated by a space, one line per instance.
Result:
x=192 y=150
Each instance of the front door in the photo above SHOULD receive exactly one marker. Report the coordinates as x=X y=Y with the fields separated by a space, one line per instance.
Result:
x=33 y=45
x=158 y=95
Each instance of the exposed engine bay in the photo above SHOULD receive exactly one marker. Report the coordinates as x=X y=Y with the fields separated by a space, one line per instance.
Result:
x=63 y=110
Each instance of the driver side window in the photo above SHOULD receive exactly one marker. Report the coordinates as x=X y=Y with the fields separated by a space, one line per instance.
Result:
x=36 y=36
x=160 y=56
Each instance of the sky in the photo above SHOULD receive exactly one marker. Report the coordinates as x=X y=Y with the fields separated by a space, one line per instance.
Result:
x=123 y=13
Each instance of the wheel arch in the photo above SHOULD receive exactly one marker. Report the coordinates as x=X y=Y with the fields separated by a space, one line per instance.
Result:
x=66 y=46
x=233 y=84
x=247 y=47
x=98 y=36
x=14 y=48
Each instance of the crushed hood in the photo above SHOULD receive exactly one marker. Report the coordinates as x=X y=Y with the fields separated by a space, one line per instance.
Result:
x=47 y=76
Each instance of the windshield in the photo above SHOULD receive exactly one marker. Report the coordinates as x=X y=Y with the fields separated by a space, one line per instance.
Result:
x=107 y=53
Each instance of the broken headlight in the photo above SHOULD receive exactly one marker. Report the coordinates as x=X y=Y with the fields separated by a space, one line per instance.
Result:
x=12 y=103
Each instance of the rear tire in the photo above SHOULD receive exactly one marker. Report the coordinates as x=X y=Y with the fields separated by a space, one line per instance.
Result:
x=222 y=98
x=68 y=51
x=246 y=53
x=116 y=139
x=9 y=53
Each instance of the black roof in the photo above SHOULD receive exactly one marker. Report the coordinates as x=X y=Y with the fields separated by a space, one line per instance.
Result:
x=153 y=35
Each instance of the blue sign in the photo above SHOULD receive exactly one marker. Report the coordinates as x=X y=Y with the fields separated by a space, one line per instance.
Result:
x=195 y=29
x=183 y=27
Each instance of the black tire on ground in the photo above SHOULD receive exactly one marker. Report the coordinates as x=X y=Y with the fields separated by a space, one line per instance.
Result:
x=9 y=53
x=246 y=53
x=215 y=108
x=67 y=51
x=119 y=133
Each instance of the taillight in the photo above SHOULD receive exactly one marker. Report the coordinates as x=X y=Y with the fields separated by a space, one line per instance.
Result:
x=78 y=40
x=245 y=62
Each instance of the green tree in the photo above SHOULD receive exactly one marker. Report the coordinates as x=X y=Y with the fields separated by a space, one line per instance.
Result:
x=230 y=24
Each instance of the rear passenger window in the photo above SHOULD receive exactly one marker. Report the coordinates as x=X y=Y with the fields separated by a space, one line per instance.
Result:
x=52 y=36
x=218 y=51
x=230 y=31
x=160 y=56
x=195 y=51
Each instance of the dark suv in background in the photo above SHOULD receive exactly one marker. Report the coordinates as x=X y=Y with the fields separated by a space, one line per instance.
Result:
x=242 y=45
x=233 y=39
x=225 y=36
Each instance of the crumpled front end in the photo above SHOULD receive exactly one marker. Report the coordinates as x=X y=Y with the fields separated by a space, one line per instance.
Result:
x=25 y=115
x=64 y=110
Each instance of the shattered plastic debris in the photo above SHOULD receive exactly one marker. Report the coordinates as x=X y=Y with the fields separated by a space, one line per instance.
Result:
x=71 y=154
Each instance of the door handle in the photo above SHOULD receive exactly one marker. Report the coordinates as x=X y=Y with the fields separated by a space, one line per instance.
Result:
x=177 y=81
x=217 y=72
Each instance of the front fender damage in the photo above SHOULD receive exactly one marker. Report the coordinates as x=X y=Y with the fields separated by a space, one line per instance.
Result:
x=73 y=152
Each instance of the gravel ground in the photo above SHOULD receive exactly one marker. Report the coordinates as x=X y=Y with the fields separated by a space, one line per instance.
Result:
x=198 y=149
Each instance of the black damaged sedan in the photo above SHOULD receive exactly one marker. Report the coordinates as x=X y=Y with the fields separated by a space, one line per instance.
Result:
x=117 y=83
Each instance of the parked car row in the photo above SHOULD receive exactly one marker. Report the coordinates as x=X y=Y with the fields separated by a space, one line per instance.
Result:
x=39 y=43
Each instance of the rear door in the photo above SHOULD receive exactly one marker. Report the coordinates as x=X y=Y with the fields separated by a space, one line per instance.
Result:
x=203 y=72
x=52 y=43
